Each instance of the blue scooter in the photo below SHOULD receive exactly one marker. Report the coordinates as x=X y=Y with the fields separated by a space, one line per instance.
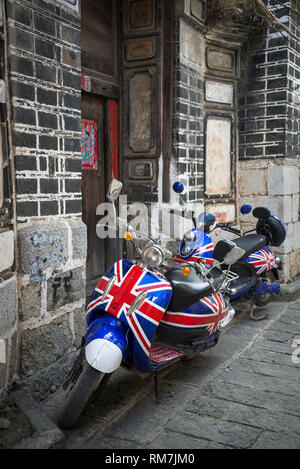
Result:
x=149 y=313
x=259 y=263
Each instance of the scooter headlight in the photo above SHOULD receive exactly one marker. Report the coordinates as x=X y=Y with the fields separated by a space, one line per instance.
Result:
x=187 y=244
x=153 y=256
x=189 y=237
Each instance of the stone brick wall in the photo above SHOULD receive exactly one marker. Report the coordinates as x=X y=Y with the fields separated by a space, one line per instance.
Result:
x=188 y=121
x=269 y=129
x=44 y=42
x=45 y=70
x=267 y=79
x=8 y=276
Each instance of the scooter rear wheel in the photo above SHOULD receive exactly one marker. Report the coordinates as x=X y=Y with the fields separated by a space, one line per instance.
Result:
x=79 y=393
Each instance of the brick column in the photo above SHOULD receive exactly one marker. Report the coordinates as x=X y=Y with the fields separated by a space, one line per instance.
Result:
x=269 y=129
x=188 y=126
x=45 y=69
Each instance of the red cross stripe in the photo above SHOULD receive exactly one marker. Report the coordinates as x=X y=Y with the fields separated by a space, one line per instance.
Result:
x=263 y=259
x=122 y=294
x=212 y=321
x=200 y=254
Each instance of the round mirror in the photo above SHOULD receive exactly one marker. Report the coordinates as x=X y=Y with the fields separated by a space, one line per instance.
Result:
x=178 y=187
x=245 y=209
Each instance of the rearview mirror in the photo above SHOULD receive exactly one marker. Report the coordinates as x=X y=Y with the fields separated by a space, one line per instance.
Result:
x=245 y=209
x=178 y=187
x=114 y=190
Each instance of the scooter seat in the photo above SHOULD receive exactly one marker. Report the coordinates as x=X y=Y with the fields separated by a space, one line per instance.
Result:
x=188 y=290
x=250 y=243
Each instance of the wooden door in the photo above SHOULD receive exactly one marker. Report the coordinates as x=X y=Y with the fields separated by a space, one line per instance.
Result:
x=99 y=54
x=93 y=183
x=99 y=165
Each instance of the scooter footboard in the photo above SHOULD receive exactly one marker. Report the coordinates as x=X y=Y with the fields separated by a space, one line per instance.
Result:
x=106 y=344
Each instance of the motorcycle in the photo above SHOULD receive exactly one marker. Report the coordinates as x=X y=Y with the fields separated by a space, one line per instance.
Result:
x=146 y=314
x=261 y=265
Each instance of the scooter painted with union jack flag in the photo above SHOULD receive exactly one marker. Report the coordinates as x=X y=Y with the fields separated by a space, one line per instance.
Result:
x=147 y=314
x=259 y=262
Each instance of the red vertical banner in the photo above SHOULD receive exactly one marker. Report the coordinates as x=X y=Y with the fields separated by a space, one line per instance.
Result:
x=113 y=134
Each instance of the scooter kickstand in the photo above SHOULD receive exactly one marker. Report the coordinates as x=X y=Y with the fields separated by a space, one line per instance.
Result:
x=166 y=393
x=256 y=318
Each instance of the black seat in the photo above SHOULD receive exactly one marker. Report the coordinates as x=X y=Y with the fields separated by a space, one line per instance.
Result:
x=249 y=243
x=189 y=289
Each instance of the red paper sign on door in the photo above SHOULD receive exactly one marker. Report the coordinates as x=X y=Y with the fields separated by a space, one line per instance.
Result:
x=89 y=144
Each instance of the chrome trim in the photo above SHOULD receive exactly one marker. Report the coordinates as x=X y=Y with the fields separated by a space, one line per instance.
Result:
x=109 y=286
x=229 y=317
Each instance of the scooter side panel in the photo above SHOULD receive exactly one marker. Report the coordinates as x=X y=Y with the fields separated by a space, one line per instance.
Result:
x=206 y=313
x=130 y=281
x=263 y=260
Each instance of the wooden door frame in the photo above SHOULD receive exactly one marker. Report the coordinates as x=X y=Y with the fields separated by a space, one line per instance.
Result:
x=107 y=87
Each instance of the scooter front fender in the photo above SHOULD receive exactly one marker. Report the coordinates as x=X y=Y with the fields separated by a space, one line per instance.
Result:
x=106 y=344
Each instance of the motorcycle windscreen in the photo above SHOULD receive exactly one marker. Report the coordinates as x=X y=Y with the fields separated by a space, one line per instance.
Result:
x=201 y=249
x=129 y=282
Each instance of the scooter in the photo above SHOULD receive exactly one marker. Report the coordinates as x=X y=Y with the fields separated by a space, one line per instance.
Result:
x=260 y=262
x=148 y=314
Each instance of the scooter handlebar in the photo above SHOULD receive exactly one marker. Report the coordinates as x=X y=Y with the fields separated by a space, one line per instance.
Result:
x=227 y=227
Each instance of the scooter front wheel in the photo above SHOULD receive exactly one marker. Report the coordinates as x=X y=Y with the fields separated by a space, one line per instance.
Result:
x=79 y=393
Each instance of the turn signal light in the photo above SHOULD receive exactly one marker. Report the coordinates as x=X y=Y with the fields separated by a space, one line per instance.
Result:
x=127 y=236
x=186 y=271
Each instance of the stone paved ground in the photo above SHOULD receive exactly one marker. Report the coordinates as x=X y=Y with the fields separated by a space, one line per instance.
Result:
x=243 y=393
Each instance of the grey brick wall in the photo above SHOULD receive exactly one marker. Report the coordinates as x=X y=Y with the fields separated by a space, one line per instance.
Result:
x=45 y=88
x=268 y=96
x=269 y=102
x=188 y=122
x=44 y=43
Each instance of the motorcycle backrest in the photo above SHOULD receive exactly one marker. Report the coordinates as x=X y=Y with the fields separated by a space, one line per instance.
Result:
x=273 y=229
x=261 y=212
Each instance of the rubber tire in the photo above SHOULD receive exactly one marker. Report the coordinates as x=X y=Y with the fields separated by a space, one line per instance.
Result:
x=263 y=300
x=78 y=395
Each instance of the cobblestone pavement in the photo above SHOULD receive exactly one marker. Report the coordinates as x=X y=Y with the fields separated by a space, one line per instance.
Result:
x=243 y=393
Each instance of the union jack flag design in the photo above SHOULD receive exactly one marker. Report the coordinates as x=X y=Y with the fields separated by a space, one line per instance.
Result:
x=204 y=253
x=130 y=281
x=263 y=260
x=208 y=313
